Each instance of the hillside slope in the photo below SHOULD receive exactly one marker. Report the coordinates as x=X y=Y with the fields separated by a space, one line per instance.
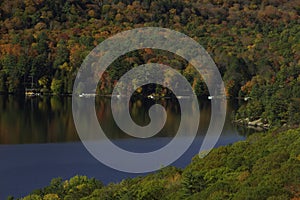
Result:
x=255 y=44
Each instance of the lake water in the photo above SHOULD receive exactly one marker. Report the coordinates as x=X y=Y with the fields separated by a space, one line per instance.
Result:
x=38 y=140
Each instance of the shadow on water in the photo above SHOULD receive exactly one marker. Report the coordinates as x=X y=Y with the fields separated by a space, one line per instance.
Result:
x=36 y=120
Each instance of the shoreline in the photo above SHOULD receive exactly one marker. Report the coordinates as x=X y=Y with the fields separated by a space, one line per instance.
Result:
x=257 y=125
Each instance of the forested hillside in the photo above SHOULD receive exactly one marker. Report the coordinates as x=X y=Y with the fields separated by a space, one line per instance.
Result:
x=255 y=44
x=262 y=167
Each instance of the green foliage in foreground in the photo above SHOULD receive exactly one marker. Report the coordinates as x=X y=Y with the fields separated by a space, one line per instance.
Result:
x=265 y=166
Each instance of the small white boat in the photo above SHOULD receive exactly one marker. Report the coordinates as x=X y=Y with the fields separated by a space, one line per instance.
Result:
x=183 y=97
x=118 y=96
x=217 y=97
x=246 y=98
x=87 y=95
x=150 y=96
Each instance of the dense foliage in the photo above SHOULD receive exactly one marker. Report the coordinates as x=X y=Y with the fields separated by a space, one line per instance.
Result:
x=255 y=44
x=262 y=167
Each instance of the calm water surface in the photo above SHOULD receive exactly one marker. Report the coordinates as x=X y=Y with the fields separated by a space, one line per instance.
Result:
x=38 y=140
